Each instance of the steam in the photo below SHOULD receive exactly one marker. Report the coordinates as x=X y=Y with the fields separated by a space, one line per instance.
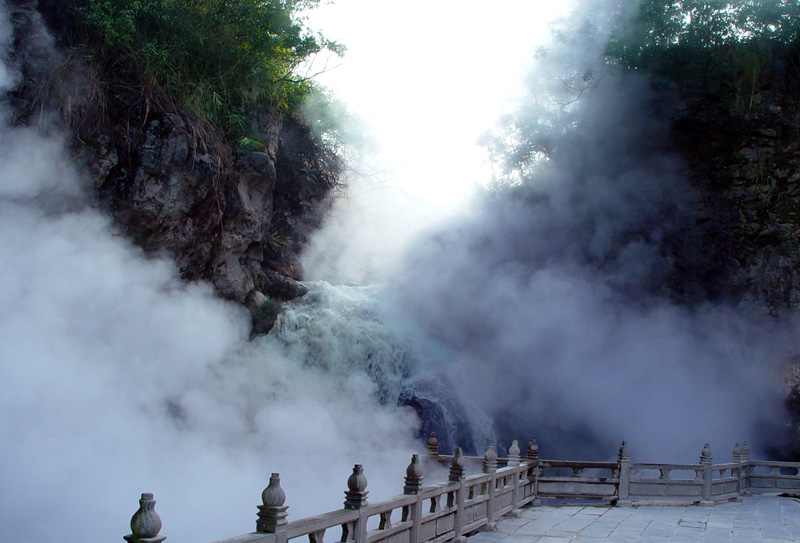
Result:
x=552 y=307
x=117 y=378
x=427 y=79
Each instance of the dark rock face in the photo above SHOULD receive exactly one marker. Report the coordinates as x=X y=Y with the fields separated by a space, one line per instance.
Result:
x=743 y=153
x=172 y=184
x=437 y=405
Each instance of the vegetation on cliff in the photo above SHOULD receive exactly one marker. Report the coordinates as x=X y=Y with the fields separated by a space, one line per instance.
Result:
x=221 y=60
x=191 y=123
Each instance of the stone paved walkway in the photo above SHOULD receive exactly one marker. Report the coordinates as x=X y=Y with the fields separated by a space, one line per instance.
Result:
x=755 y=520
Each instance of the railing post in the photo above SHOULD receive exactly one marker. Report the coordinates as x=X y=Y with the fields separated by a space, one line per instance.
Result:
x=272 y=514
x=457 y=471
x=145 y=523
x=736 y=456
x=624 y=468
x=356 y=498
x=513 y=461
x=706 y=461
x=413 y=485
x=490 y=467
x=532 y=456
x=747 y=469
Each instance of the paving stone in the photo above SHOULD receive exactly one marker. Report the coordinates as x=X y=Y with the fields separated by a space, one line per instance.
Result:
x=754 y=520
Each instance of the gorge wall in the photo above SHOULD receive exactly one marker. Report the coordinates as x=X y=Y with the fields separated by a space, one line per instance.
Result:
x=173 y=185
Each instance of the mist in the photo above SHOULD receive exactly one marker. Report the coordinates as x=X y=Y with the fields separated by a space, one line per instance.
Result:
x=424 y=81
x=117 y=378
x=573 y=304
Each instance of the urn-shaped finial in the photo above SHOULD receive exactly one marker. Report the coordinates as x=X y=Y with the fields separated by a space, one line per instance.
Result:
x=490 y=459
x=624 y=454
x=513 y=453
x=273 y=513
x=705 y=454
x=433 y=445
x=532 y=450
x=145 y=523
x=356 y=495
x=737 y=453
x=457 y=465
x=413 y=476
x=273 y=495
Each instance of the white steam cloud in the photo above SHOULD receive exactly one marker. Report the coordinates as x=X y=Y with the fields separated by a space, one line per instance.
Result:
x=117 y=378
x=551 y=306
x=429 y=78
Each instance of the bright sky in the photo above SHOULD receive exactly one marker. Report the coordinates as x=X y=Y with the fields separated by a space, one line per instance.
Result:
x=430 y=76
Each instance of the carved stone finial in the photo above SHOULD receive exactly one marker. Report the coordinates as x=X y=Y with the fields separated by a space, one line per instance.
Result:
x=145 y=523
x=433 y=445
x=356 y=495
x=272 y=514
x=513 y=453
x=624 y=454
x=274 y=495
x=737 y=453
x=705 y=454
x=490 y=459
x=745 y=451
x=532 y=450
x=458 y=466
x=413 y=476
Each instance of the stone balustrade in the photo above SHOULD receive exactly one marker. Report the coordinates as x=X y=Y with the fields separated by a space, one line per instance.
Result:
x=466 y=503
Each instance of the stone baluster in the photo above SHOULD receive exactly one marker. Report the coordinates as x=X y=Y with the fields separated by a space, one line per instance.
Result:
x=145 y=523
x=706 y=463
x=433 y=445
x=356 y=498
x=513 y=454
x=577 y=471
x=664 y=474
x=624 y=470
x=386 y=520
x=272 y=513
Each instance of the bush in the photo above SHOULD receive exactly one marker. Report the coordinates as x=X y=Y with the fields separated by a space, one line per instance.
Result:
x=222 y=60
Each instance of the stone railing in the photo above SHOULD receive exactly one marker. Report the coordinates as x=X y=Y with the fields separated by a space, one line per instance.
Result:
x=450 y=510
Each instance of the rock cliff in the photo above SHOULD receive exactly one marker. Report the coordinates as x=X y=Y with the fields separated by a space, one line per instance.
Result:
x=174 y=186
x=741 y=141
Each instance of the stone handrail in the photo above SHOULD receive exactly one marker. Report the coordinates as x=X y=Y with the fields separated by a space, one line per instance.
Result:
x=449 y=511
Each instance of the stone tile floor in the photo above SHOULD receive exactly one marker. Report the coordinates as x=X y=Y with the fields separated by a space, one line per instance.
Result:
x=759 y=519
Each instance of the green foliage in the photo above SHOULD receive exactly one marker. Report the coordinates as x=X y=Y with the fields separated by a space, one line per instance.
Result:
x=716 y=42
x=221 y=59
x=268 y=308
